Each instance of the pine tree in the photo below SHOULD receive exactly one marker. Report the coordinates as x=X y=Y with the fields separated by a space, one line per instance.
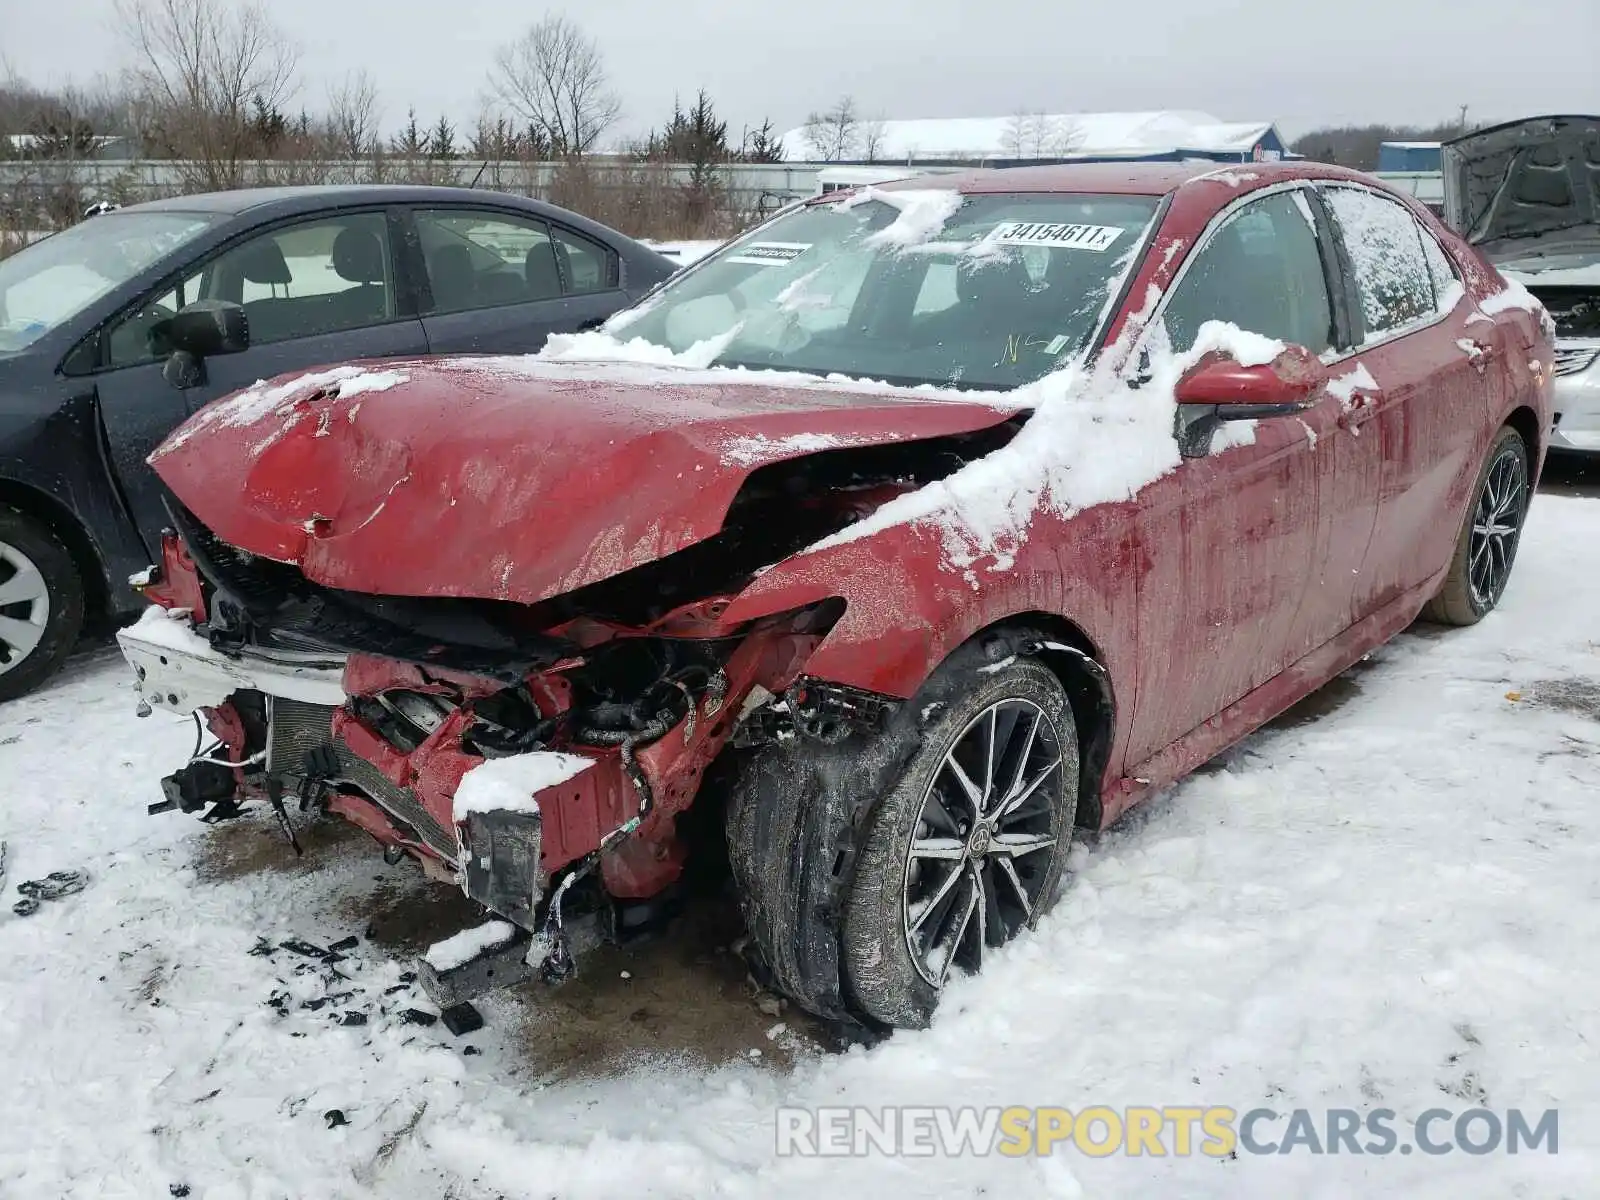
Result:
x=442 y=140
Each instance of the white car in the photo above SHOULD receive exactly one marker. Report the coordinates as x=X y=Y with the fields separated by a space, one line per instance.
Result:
x=1527 y=193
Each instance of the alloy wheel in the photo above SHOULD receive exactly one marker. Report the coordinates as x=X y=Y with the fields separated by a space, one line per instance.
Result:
x=24 y=606
x=1496 y=526
x=980 y=855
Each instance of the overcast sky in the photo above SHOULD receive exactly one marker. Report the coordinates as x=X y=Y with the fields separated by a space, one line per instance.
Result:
x=1295 y=63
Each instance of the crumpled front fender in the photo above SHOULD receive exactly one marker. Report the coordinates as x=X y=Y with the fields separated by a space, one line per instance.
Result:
x=908 y=606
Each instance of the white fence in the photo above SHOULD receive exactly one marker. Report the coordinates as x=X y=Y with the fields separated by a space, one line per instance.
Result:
x=750 y=186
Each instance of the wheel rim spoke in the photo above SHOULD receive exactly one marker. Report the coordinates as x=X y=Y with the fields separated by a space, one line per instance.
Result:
x=1006 y=802
x=1015 y=845
x=1007 y=870
x=20 y=636
x=974 y=902
x=973 y=792
x=949 y=849
x=989 y=760
x=1016 y=802
x=927 y=907
x=24 y=587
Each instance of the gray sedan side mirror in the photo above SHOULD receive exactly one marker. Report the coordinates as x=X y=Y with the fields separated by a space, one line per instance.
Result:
x=197 y=331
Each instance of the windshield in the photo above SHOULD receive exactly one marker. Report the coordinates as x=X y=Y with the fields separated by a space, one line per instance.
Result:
x=52 y=281
x=908 y=287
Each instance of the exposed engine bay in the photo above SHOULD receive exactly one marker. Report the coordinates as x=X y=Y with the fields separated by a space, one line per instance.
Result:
x=639 y=679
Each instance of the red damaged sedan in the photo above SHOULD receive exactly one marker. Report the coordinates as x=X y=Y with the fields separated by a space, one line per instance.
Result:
x=894 y=542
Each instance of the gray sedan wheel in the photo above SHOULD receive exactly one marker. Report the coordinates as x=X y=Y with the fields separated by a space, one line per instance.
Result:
x=41 y=603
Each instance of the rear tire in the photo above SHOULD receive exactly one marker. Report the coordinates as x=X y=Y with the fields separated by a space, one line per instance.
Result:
x=41 y=603
x=1487 y=546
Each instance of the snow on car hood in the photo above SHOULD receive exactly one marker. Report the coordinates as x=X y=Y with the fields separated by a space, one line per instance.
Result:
x=516 y=479
x=1535 y=181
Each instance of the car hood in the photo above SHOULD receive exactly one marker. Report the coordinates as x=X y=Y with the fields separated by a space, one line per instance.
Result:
x=512 y=479
x=1525 y=184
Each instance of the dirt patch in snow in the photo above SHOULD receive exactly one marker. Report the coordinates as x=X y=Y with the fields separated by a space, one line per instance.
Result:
x=685 y=995
x=253 y=842
x=1578 y=695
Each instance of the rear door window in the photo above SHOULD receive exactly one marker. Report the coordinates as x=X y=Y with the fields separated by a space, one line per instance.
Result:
x=587 y=266
x=1384 y=244
x=481 y=259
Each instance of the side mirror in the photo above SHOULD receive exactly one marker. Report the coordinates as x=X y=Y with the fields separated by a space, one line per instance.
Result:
x=1219 y=390
x=197 y=331
x=209 y=327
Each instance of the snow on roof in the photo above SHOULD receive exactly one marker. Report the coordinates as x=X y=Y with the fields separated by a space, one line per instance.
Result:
x=1413 y=145
x=1050 y=135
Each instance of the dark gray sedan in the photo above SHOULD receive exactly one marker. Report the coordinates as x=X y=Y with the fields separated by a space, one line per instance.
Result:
x=94 y=372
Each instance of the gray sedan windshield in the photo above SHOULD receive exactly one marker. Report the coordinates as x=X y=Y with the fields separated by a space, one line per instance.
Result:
x=54 y=280
x=982 y=291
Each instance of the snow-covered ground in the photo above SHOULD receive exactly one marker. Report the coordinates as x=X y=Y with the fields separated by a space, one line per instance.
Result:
x=1391 y=899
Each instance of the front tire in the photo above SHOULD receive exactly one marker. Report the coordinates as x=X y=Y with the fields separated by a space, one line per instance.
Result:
x=1486 y=549
x=41 y=603
x=966 y=849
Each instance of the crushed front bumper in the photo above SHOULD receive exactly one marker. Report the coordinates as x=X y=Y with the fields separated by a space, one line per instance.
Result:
x=176 y=669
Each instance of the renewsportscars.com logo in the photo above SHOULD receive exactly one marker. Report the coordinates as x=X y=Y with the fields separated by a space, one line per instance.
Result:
x=1174 y=1130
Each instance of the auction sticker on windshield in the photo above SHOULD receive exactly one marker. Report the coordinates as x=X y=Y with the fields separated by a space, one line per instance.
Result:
x=1071 y=237
x=766 y=254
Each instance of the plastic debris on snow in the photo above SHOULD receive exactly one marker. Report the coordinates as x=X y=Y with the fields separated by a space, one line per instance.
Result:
x=469 y=944
x=1091 y=440
x=510 y=784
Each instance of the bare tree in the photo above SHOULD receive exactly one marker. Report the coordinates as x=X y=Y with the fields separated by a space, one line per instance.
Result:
x=1060 y=137
x=1017 y=135
x=203 y=71
x=832 y=135
x=871 y=135
x=353 y=116
x=554 y=78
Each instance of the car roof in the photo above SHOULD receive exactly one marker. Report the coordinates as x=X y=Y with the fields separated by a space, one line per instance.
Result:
x=284 y=201
x=1118 y=178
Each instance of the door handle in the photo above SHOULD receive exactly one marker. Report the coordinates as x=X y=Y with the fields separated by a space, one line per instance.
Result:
x=1363 y=406
x=1481 y=353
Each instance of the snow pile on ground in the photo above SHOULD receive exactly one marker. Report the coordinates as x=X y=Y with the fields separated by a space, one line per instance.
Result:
x=1390 y=905
x=510 y=784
